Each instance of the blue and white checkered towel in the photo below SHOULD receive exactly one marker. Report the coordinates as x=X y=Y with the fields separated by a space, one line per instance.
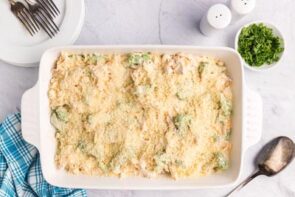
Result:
x=20 y=170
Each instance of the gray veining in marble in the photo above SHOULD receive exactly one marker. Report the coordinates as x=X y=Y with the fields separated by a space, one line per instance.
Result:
x=176 y=22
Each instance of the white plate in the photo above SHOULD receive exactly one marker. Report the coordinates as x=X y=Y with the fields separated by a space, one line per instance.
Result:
x=18 y=47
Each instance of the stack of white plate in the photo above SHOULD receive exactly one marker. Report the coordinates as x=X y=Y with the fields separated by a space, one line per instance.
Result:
x=19 y=48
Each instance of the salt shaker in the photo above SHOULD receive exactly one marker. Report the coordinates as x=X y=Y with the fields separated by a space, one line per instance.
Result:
x=216 y=18
x=240 y=8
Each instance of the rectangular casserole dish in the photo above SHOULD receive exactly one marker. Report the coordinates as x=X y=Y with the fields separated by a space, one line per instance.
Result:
x=38 y=131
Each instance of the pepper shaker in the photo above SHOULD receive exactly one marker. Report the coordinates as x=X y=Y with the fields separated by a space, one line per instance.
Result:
x=241 y=8
x=216 y=18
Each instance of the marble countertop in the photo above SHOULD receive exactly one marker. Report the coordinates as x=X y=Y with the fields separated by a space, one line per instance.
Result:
x=176 y=22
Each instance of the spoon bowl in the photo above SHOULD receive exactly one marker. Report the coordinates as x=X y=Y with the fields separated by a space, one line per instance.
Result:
x=275 y=156
x=272 y=159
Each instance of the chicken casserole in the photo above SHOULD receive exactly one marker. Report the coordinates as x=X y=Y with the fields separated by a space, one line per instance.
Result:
x=141 y=114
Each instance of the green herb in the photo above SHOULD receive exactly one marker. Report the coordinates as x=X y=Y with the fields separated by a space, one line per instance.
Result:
x=258 y=45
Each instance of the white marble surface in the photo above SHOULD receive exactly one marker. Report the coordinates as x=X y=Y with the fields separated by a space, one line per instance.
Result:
x=176 y=22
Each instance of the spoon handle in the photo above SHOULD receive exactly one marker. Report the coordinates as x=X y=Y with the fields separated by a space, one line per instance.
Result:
x=245 y=182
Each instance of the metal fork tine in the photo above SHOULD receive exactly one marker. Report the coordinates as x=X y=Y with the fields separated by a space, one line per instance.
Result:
x=47 y=8
x=22 y=13
x=31 y=20
x=40 y=13
x=53 y=5
x=44 y=27
x=50 y=21
x=25 y=24
x=35 y=22
x=45 y=24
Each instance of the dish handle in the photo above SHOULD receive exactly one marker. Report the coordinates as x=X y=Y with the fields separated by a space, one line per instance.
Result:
x=254 y=118
x=30 y=116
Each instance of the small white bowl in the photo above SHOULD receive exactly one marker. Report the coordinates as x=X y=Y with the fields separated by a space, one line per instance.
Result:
x=276 y=32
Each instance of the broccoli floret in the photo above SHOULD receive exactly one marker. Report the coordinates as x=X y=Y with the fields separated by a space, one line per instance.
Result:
x=228 y=135
x=182 y=123
x=94 y=59
x=62 y=113
x=136 y=59
x=201 y=68
x=59 y=117
x=81 y=145
x=181 y=94
x=221 y=161
x=225 y=106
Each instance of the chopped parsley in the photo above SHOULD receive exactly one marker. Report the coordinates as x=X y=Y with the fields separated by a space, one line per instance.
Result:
x=258 y=45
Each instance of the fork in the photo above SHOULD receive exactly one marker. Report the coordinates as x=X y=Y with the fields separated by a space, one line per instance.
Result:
x=50 y=7
x=24 y=16
x=43 y=18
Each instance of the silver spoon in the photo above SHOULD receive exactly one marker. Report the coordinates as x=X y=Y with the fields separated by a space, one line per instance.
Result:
x=272 y=159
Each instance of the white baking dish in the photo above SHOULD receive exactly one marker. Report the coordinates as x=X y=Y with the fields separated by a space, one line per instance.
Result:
x=38 y=131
